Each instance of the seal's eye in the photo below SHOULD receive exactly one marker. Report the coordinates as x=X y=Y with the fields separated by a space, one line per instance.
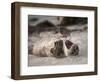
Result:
x=68 y=44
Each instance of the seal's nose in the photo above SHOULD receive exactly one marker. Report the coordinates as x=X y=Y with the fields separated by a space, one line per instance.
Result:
x=75 y=50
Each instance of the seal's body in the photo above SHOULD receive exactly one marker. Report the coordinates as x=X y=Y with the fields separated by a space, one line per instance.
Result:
x=55 y=48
